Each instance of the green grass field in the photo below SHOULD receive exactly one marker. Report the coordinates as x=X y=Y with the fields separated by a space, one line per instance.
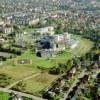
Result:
x=83 y=47
x=42 y=62
x=4 y=96
x=20 y=71
x=37 y=84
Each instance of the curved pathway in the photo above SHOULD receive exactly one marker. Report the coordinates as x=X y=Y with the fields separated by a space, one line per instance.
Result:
x=26 y=78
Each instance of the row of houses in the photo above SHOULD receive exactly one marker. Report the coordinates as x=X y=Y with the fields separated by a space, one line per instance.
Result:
x=21 y=19
x=6 y=29
x=24 y=19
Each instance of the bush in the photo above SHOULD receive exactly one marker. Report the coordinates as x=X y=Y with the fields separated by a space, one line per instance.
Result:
x=54 y=71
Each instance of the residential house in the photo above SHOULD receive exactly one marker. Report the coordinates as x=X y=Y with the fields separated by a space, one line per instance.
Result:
x=1 y=22
x=34 y=21
x=21 y=19
x=6 y=28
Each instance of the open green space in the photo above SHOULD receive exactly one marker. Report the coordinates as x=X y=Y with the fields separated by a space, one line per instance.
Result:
x=41 y=62
x=83 y=47
x=36 y=85
x=27 y=29
x=4 y=96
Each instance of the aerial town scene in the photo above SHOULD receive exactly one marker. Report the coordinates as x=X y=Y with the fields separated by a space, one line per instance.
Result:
x=49 y=49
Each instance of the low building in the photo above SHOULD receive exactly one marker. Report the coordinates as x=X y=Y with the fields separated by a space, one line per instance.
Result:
x=47 y=46
x=2 y=40
x=50 y=45
x=59 y=40
x=21 y=19
x=66 y=40
x=6 y=29
x=1 y=22
x=34 y=21
x=46 y=30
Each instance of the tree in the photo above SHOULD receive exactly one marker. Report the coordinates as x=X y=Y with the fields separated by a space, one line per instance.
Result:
x=0 y=45
x=59 y=29
x=16 y=28
x=69 y=64
x=54 y=70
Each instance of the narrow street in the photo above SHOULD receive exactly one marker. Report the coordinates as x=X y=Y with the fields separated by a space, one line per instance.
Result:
x=21 y=94
x=94 y=75
x=80 y=75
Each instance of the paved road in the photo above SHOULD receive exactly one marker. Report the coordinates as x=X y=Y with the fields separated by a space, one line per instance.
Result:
x=21 y=94
x=74 y=84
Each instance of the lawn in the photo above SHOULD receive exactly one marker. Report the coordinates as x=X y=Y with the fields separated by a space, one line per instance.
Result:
x=15 y=70
x=28 y=30
x=83 y=47
x=38 y=83
x=36 y=61
x=18 y=72
x=4 y=96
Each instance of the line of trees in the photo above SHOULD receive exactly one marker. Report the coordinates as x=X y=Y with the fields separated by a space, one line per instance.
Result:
x=8 y=50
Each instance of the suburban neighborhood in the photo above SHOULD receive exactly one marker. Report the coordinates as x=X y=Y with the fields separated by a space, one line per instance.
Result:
x=49 y=50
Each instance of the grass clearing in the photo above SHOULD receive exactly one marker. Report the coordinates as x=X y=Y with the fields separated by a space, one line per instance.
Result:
x=18 y=72
x=84 y=46
x=38 y=83
x=4 y=96
x=42 y=62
